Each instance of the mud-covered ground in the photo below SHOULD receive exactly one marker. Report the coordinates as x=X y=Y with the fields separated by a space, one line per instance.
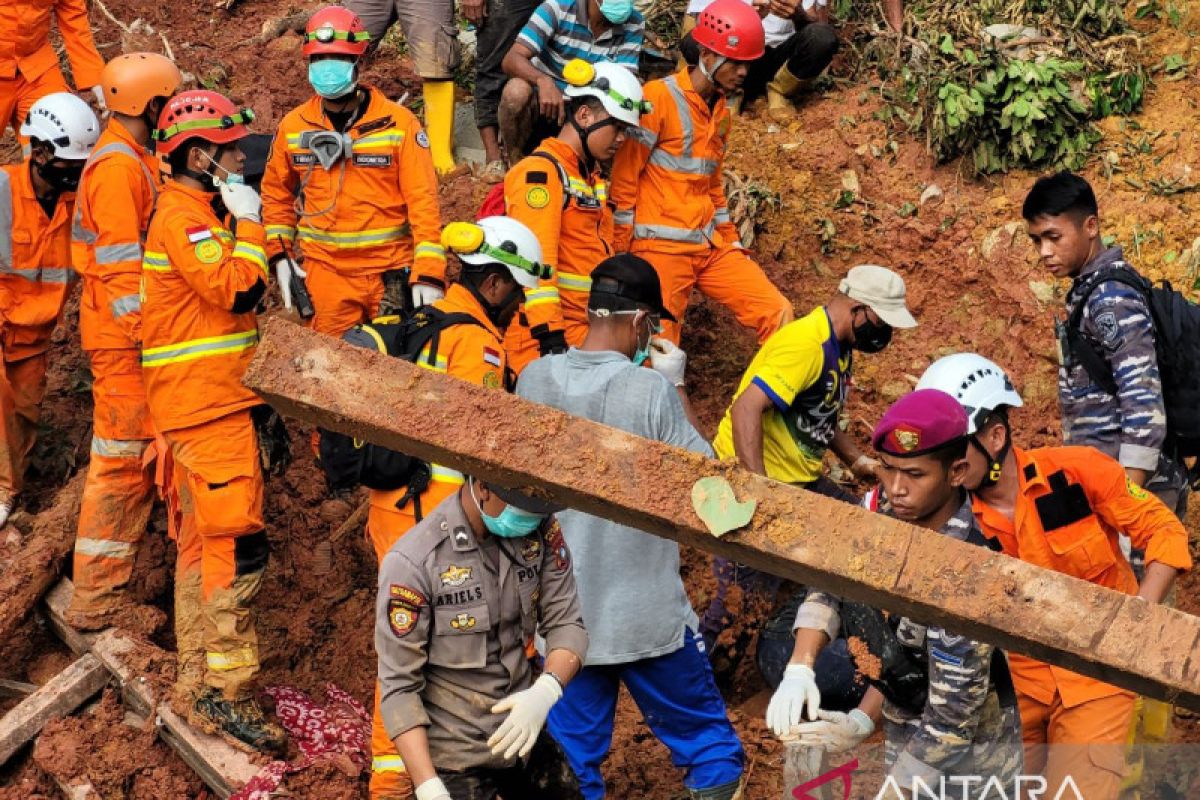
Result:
x=974 y=285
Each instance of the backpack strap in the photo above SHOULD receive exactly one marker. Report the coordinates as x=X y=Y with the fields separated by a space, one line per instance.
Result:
x=1096 y=366
x=562 y=175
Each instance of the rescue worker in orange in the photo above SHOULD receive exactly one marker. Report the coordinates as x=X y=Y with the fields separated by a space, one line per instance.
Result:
x=560 y=193
x=37 y=198
x=501 y=260
x=28 y=64
x=200 y=286
x=1062 y=508
x=667 y=184
x=112 y=214
x=350 y=188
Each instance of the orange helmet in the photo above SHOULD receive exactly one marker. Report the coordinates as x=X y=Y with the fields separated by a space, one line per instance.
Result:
x=335 y=30
x=200 y=114
x=131 y=81
x=732 y=29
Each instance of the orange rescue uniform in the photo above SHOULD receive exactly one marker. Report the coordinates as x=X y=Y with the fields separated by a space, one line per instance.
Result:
x=568 y=212
x=362 y=216
x=671 y=209
x=115 y=200
x=28 y=64
x=197 y=339
x=1072 y=504
x=35 y=278
x=474 y=353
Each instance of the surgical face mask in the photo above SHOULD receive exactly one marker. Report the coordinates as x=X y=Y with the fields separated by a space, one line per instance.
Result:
x=511 y=523
x=232 y=178
x=643 y=352
x=871 y=336
x=331 y=78
x=616 y=11
x=63 y=176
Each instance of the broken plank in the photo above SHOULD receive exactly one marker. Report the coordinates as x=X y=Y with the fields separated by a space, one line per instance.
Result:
x=61 y=695
x=16 y=688
x=57 y=601
x=221 y=766
x=795 y=534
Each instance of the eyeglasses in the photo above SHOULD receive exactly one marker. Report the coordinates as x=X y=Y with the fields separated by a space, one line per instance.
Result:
x=327 y=34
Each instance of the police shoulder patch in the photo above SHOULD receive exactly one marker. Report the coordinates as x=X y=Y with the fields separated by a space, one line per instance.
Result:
x=408 y=595
x=208 y=251
x=1107 y=327
x=556 y=546
x=422 y=139
x=537 y=197
x=402 y=617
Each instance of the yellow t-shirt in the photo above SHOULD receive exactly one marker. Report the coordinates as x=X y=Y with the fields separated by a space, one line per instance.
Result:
x=805 y=373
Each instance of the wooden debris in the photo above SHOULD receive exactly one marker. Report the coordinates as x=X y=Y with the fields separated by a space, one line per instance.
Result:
x=61 y=695
x=16 y=688
x=57 y=601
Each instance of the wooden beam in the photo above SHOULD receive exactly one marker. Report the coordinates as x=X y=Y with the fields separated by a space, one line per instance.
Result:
x=16 y=688
x=795 y=534
x=61 y=695
x=56 y=602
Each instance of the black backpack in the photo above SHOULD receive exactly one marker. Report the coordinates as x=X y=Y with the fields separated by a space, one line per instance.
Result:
x=348 y=462
x=1177 y=344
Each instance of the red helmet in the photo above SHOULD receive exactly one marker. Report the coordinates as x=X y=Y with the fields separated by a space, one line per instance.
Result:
x=200 y=114
x=335 y=30
x=731 y=28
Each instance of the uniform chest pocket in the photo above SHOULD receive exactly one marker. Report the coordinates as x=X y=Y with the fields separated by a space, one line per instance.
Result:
x=1082 y=549
x=22 y=249
x=460 y=636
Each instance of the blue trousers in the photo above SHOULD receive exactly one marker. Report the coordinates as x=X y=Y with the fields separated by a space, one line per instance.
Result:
x=680 y=702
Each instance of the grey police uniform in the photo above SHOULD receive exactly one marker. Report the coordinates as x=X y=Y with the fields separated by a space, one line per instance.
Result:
x=452 y=619
x=968 y=728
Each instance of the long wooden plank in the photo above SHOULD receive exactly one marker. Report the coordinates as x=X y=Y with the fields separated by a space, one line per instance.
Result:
x=221 y=766
x=16 y=688
x=61 y=695
x=795 y=534
x=56 y=602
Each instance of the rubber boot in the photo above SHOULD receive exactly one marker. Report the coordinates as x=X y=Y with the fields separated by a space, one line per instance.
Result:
x=781 y=91
x=439 y=123
x=240 y=721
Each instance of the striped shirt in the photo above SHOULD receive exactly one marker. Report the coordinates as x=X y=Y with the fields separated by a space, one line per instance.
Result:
x=558 y=32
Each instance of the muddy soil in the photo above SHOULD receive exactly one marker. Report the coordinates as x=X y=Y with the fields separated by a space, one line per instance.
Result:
x=973 y=281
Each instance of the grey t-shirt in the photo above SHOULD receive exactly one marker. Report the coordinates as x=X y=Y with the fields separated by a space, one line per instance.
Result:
x=634 y=603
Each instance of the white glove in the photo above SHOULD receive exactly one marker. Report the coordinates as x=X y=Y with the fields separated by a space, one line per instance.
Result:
x=242 y=201
x=284 y=268
x=433 y=789
x=797 y=690
x=527 y=712
x=668 y=360
x=835 y=731
x=423 y=294
x=98 y=93
x=809 y=5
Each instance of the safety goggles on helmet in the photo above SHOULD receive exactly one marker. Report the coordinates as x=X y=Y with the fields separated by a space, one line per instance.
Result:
x=243 y=117
x=327 y=33
x=466 y=238
x=580 y=74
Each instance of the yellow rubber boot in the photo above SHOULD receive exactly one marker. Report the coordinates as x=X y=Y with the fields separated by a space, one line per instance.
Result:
x=439 y=123
x=781 y=91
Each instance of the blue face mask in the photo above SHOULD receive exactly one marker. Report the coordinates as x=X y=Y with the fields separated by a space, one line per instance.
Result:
x=511 y=523
x=331 y=77
x=643 y=353
x=616 y=11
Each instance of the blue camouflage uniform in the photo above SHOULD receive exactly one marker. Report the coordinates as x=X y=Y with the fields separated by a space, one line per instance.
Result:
x=970 y=726
x=1130 y=426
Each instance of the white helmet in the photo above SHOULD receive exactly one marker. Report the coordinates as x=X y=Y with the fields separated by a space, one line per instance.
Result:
x=66 y=122
x=613 y=85
x=499 y=240
x=978 y=384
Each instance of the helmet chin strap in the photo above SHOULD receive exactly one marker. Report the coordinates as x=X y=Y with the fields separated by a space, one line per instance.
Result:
x=995 y=462
x=584 y=133
x=710 y=75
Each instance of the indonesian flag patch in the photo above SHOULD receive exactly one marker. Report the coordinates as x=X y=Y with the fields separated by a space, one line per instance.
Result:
x=491 y=356
x=199 y=234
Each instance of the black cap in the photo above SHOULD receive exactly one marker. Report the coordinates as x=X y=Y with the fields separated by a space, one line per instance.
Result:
x=630 y=281
x=523 y=501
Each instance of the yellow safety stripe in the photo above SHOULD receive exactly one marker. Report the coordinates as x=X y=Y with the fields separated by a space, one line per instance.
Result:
x=374 y=334
x=351 y=239
x=222 y=234
x=602 y=191
x=571 y=282
x=286 y=231
x=199 y=348
x=104 y=548
x=253 y=253
x=430 y=250
x=118 y=448
x=440 y=474
x=442 y=364
x=379 y=140
x=582 y=187
x=388 y=764
x=156 y=262
x=541 y=296
x=237 y=659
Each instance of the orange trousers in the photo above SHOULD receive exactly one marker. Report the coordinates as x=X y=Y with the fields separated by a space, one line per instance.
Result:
x=17 y=96
x=119 y=493
x=522 y=348
x=342 y=301
x=1085 y=743
x=223 y=551
x=727 y=275
x=385 y=525
x=22 y=387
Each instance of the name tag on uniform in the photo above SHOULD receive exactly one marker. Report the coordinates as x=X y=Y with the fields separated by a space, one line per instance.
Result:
x=372 y=160
x=303 y=159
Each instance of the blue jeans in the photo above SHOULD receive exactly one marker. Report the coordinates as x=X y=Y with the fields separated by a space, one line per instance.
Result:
x=680 y=702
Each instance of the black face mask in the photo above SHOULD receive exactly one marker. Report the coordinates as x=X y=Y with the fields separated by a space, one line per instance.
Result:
x=870 y=336
x=62 y=177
